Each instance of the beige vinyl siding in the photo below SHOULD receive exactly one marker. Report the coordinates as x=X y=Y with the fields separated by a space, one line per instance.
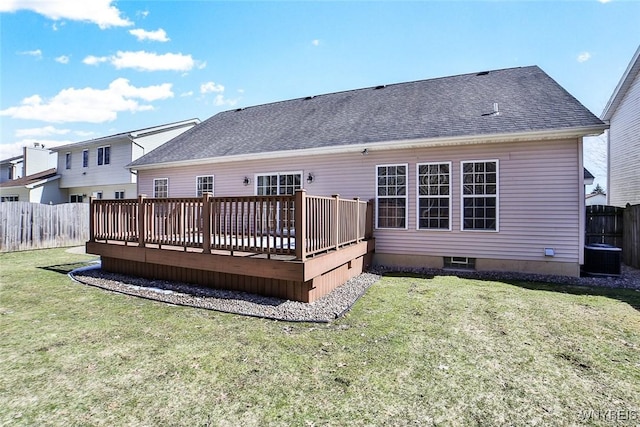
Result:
x=624 y=149
x=539 y=201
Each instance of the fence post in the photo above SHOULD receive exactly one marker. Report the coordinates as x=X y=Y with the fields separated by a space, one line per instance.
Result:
x=206 y=223
x=368 y=232
x=92 y=220
x=142 y=220
x=336 y=228
x=300 y=223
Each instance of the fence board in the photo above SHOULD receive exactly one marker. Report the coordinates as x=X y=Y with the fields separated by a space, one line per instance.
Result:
x=631 y=244
x=604 y=224
x=26 y=226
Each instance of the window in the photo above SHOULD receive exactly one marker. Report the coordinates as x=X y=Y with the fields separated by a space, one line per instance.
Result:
x=462 y=263
x=10 y=198
x=278 y=183
x=391 y=191
x=67 y=160
x=434 y=196
x=161 y=187
x=98 y=195
x=85 y=158
x=104 y=155
x=75 y=198
x=12 y=171
x=204 y=184
x=480 y=195
x=119 y=194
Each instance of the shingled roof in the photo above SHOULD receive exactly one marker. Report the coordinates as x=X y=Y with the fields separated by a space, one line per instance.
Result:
x=526 y=99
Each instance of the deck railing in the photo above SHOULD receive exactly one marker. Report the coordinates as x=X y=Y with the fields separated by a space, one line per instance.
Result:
x=299 y=224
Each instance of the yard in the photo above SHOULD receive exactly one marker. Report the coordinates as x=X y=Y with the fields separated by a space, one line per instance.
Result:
x=412 y=351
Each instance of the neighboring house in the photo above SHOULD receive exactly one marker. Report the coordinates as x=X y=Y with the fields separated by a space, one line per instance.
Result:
x=41 y=187
x=480 y=170
x=32 y=161
x=596 y=199
x=97 y=167
x=622 y=112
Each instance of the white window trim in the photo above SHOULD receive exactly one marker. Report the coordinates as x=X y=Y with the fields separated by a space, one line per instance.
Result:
x=119 y=191
x=213 y=183
x=462 y=162
x=98 y=156
x=256 y=175
x=85 y=151
x=154 y=186
x=418 y=196
x=68 y=160
x=406 y=197
x=78 y=196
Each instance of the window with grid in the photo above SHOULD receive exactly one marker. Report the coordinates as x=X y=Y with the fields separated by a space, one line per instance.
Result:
x=480 y=195
x=67 y=160
x=204 y=184
x=10 y=198
x=104 y=155
x=119 y=194
x=161 y=187
x=434 y=196
x=85 y=158
x=278 y=184
x=391 y=196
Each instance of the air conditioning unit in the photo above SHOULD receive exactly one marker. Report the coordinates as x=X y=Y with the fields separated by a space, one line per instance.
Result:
x=602 y=259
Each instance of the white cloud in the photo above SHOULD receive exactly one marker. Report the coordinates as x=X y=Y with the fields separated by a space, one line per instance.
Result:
x=220 y=101
x=37 y=53
x=99 y=12
x=13 y=149
x=63 y=59
x=145 y=61
x=89 y=104
x=604 y=1
x=158 y=35
x=185 y=94
x=39 y=132
x=316 y=42
x=209 y=87
x=83 y=133
x=584 y=56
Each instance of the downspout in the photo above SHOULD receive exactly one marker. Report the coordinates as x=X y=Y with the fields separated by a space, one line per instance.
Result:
x=581 y=204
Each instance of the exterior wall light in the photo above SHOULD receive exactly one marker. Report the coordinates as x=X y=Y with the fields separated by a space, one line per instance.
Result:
x=246 y=181
x=310 y=178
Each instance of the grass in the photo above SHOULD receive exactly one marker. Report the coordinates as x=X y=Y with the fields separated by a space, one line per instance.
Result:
x=413 y=351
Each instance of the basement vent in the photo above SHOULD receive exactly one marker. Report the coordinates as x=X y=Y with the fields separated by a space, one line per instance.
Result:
x=482 y=73
x=459 y=263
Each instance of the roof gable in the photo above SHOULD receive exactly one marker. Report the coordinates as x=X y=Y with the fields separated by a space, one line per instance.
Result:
x=526 y=99
x=632 y=71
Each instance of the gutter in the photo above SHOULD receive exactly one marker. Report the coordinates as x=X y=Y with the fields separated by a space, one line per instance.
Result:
x=390 y=145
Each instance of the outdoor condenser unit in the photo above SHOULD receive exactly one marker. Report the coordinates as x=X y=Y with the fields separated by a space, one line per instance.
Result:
x=602 y=259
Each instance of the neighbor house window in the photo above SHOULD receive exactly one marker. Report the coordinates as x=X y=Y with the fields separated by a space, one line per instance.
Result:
x=275 y=184
x=391 y=192
x=204 y=184
x=434 y=196
x=480 y=195
x=119 y=194
x=161 y=187
x=85 y=158
x=67 y=160
x=10 y=198
x=75 y=198
x=98 y=195
x=104 y=155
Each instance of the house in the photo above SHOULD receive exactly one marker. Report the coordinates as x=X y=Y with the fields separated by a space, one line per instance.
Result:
x=596 y=199
x=622 y=112
x=480 y=170
x=30 y=177
x=96 y=167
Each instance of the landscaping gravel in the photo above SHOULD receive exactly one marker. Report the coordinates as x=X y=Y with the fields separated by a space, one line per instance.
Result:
x=326 y=309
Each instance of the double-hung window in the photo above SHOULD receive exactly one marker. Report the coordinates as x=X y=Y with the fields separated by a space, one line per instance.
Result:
x=204 y=184
x=391 y=196
x=277 y=184
x=434 y=196
x=104 y=155
x=480 y=195
x=161 y=187
x=119 y=194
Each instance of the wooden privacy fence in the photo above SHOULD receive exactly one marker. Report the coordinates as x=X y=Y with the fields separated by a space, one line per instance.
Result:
x=26 y=226
x=616 y=226
x=299 y=225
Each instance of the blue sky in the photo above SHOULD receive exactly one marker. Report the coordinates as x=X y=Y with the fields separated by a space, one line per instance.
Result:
x=72 y=71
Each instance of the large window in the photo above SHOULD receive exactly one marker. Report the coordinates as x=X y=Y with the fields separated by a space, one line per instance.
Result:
x=480 y=195
x=391 y=191
x=67 y=160
x=434 y=196
x=204 y=184
x=85 y=158
x=275 y=184
x=161 y=187
x=104 y=155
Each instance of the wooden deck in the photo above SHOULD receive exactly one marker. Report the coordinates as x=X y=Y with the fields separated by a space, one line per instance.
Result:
x=297 y=247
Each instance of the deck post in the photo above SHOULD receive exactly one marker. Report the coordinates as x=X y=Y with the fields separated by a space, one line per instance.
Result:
x=300 y=223
x=357 y=199
x=336 y=226
x=206 y=223
x=368 y=232
x=92 y=220
x=142 y=220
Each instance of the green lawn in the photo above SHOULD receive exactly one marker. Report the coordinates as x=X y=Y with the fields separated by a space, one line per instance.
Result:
x=413 y=351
